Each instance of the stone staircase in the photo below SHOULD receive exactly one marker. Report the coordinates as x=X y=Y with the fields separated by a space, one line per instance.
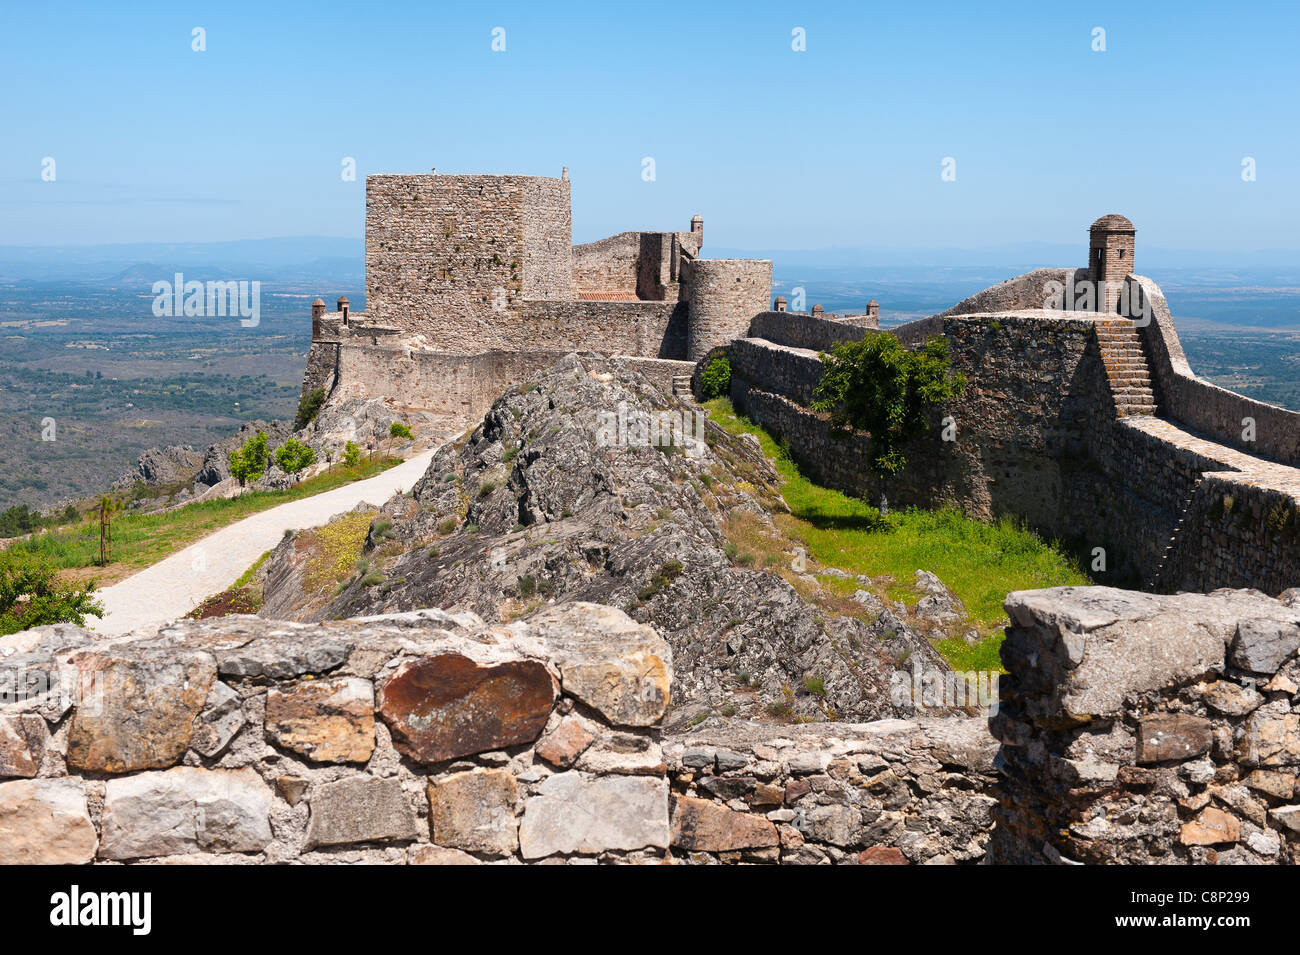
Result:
x=1126 y=368
x=1153 y=582
x=682 y=386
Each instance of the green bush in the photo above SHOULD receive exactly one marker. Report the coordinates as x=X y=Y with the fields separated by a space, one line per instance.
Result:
x=715 y=381
x=308 y=407
x=351 y=454
x=399 y=430
x=31 y=594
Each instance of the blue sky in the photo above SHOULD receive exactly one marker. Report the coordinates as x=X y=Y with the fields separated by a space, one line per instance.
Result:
x=839 y=145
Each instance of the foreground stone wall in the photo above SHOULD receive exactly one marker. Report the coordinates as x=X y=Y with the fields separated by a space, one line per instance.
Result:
x=1147 y=729
x=433 y=738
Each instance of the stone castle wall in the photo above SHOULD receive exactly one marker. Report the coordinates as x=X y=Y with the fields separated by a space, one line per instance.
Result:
x=459 y=386
x=1142 y=729
x=1037 y=439
x=431 y=738
x=1215 y=411
x=725 y=294
x=608 y=265
x=437 y=246
x=798 y=330
x=548 y=240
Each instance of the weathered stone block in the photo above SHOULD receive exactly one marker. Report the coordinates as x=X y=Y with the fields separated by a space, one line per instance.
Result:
x=606 y=659
x=475 y=811
x=445 y=706
x=141 y=714
x=1271 y=739
x=1177 y=736
x=575 y=814
x=222 y=717
x=1211 y=827
x=1232 y=699
x=360 y=809
x=44 y=822
x=882 y=855
x=329 y=721
x=837 y=825
x=705 y=826
x=1262 y=646
x=283 y=656
x=186 y=810
x=23 y=738
x=438 y=855
x=566 y=743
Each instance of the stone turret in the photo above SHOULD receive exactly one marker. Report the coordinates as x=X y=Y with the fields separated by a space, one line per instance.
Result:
x=779 y=304
x=1110 y=258
x=697 y=227
x=317 y=313
x=343 y=308
x=725 y=294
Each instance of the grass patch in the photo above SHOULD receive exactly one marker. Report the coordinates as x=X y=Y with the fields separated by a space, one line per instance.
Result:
x=980 y=562
x=140 y=540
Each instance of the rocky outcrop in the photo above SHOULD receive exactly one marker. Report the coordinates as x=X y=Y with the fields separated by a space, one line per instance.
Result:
x=435 y=738
x=562 y=495
x=162 y=467
x=1147 y=729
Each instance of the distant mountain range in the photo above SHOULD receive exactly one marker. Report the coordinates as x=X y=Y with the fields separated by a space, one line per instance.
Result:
x=292 y=259
x=341 y=259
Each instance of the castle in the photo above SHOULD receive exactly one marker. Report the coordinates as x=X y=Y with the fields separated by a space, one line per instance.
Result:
x=473 y=284
x=1082 y=416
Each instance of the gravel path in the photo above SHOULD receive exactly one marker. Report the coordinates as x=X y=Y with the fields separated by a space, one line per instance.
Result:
x=175 y=585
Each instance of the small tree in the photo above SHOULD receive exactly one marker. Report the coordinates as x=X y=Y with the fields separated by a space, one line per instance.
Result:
x=293 y=456
x=31 y=594
x=877 y=386
x=399 y=430
x=351 y=455
x=249 y=462
x=107 y=507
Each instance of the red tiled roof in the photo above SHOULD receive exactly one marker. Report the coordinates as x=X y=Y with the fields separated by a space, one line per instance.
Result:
x=608 y=297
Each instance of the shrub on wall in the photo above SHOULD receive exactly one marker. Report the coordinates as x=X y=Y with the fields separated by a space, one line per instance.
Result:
x=715 y=381
x=308 y=407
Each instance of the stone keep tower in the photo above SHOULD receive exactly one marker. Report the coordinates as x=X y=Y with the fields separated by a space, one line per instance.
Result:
x=1110 y=258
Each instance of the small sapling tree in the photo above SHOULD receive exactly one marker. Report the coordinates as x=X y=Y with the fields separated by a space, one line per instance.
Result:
x=878 y=386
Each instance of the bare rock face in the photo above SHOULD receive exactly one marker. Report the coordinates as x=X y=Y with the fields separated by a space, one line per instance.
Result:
x=216 y=459
x=555 y=499
x=158 y=467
